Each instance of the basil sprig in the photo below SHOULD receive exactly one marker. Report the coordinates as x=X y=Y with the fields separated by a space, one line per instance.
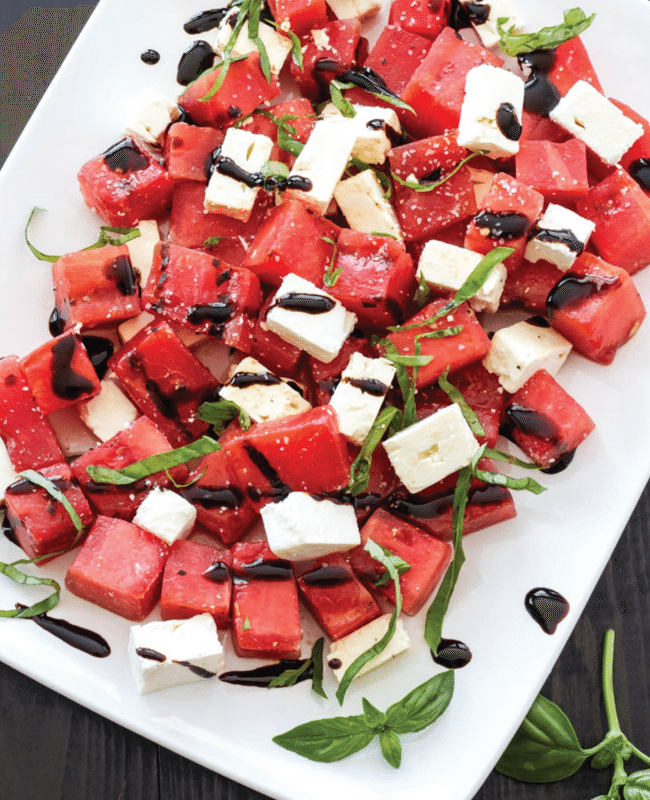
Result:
x=512 y=44
x=105 y=238
x=152 y=464
x=334 y=738
x=546 y=747
x=221 y=413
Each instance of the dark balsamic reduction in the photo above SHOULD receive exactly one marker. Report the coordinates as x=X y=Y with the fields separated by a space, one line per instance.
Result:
x=508 y=122
x=99 y=351
x=164 y=404
x=326 y=575
x=307 y=303
x=262 y=676
x=198 y=57
x=74 y=635
x=215 y=313
x=152 y=655
x=327 y=65
x=368 y=385
x=540 y=93
x=530 y=422
x=56 y=323
x=434 y=507
x=218 y=572
x=572 y=288
x=243 y=379
x=547 y=607
x=25 y=486
x=217 y=497
x=452 y=654
x=366 y=78
x=8 y=531
x=200 y=671
x=375 y=124
x=561 y=236
x=263 y=465
x=226 y=166
x=640 y=171
x=264 y=569
x=124 y=156
x=502 y=224
x=561 y=464
x=150 y=56
x=431 y=177
x=366 y=501
x=66 y=383
x=121 y=271
x=477 y=13
x=205 y=21
x=537 y=61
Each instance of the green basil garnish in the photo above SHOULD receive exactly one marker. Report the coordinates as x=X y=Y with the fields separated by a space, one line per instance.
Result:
x=336 y=93
x=290 y=676
x=512 y=44
x=429 y=187
x=360 y=468
x=222 y=412
x=331 y=275
x=456 y=396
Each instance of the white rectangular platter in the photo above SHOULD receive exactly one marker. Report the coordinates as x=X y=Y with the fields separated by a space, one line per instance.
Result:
x=561 y=539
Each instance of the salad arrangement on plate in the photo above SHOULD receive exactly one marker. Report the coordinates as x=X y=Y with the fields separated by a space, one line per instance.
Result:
x=507 y=189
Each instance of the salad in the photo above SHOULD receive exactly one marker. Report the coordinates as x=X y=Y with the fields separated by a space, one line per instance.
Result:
x=402 y=329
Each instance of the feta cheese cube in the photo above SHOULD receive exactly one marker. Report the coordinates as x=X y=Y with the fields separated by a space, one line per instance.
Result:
x=277 y=46
x=261 y=394
x=128 y=329
x=433 y=448
x=225 y=195
x=302 y=526
x=347 y=649
x=361 y=199
x=485 y=23
x=141 y=249
x=165 y=514
x=322 y=161
x=174 y=652
x=588 y=115
x=360 y=393
x=108 y=412
x=447 y=266
x=518 y=351
x=559 y=236
x=151 y=117
x=355 y=9
x=320 y=329
x=490 y=117
x=372 y=143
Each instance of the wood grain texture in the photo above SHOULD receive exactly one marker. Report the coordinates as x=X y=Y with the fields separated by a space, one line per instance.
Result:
x=53 y=749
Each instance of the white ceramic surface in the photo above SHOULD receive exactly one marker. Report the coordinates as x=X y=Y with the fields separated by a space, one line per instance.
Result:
x=561 y=539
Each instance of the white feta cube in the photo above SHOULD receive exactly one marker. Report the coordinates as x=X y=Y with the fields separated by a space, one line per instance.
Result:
x=346 y=650
x=490 y=117
x=355 y=9
x=361 y=199
x=225 y=195
x=518 y=351
x=484 y=16
x=559 y=236
x=174 y=652
x=320 y=329
x=277 y=46
x=302 y=526
x=151 y=117
x=446 y=267
x=261 y=394
x=165 y=514
x=360 y=393
x=432 y=448
x=141 y=249
x=322 y=162
x=588 y=115
x=372 y=122
x=108 y=412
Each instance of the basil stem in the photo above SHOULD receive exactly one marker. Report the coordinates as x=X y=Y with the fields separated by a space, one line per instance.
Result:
x=152 y=464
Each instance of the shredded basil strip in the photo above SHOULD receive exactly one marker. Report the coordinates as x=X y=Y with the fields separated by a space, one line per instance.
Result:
x=438 y=608
x=336 y=93
x=470 y=286
x=152 y=464
x=56 y=494
x=400 y=565
x=499 y=455
x=424 y=292
x=290 y=676
x=29 y=580
x=456 y=396
x=38 y=253
x=512 y=44
x=220 y=413
x=429 y=187
x=254 y=36
x=392 y=99
x=227 y=59
x=360 y=468
x=275 y=169
x=331 y=274
x=378 y=553
x=384 y=180
x=499 y=479
x=317 y=667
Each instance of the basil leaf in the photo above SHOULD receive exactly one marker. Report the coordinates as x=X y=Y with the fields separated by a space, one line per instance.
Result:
x=317 y=663
x=254 y=36
x=391 y=748
x=456 y=396
x=331 y=274
x=512 y=44
x=499 y=455
x=498 y=479
x=637 y=786
x=424 y=292
x=640 y=778
x=423 y=705
x=438 y=608
x=220 y=413
x=39 y=255
x=276 y=169
x=372 y=716
x=296 y=45
x=344 y=106
x=416 y=186
x=360 y=468
x=400 y=565
x=29 y=580
x=227 y=59
x=545 y=748
x=351 y=672
x=213 y=241
x=289 y=677
x=327 y=740
x=152 y=464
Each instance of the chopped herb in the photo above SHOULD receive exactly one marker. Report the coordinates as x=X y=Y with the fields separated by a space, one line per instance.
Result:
x=246 y=624
x=344 y=106
x=429 y=187
x=360 y=468
x=220 y=413
x=400 y=565
x=213 y=241
x=331 y=274
x=512 y=44
x=424 y=292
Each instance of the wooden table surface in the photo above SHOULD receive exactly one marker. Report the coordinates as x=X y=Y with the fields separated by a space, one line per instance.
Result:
x=53 y=749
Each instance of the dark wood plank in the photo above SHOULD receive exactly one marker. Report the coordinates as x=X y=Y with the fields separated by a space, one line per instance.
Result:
x=53 y=748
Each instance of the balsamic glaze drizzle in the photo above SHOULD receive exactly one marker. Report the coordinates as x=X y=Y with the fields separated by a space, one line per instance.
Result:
x=452 y=654
x=547 y=607
x=150 y=56
x=572 y=288
x=508 y=122
x=99 y=351
x=307 y=303
x=124 y=157
x=371 y=386
x=502 y=224
x=198 y=57
x=205 y=20
x=262 y=676
x=244 y=379
x=80 y=638
x=66 y=383
x=326 y=575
